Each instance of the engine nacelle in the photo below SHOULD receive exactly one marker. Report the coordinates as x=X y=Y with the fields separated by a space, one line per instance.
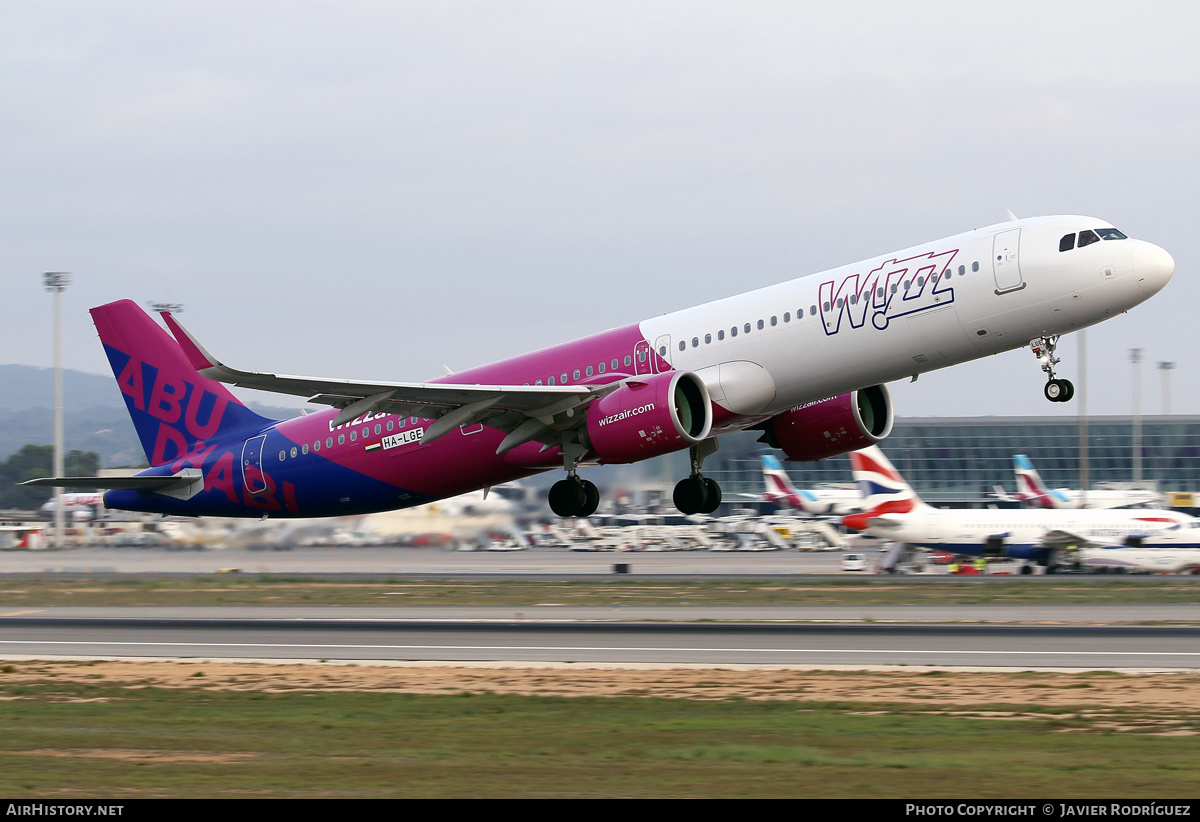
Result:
x=649 y=416
x=833 y=426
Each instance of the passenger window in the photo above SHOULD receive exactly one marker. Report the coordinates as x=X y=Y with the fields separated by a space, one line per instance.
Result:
x=575 y=375
x=962 y=271
x=341 y=439
x=708 y=339
x=589 y=370
x=304 y=448
x=550 y=381
x=747 y=328
x=1066 y=243
x=1087 y=238
x=629 y=360
x=293 y=452
x=975 y=265
x=774 y=321
x=317 y=445
x=282 y=456
x=354 y=435
x=826 y=307
x=563 y=380
x=391 y=425
x=760 y=325
x=601 y=369
x=614 y=363
x=721 y=335
x=682 y=345
x=329 y=442
x=812 y=310
x=733 y=331
x=787 y=316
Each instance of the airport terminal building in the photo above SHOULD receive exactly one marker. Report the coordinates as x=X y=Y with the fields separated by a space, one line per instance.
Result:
x=962 y=458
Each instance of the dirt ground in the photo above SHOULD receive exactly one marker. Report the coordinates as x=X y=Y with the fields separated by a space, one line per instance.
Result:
x=1148 y=692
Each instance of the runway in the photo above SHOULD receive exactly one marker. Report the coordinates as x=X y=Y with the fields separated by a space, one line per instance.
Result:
x=996 y=646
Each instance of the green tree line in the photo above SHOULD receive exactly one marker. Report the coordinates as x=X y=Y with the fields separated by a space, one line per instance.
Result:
x=35 y=461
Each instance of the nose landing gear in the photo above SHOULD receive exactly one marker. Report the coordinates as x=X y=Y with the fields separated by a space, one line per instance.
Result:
x=1056 y=390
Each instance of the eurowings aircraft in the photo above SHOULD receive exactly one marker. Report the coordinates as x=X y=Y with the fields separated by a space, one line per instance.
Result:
x=818 y=501
x=893 y=511
x=804 y=361
x=1032 y=491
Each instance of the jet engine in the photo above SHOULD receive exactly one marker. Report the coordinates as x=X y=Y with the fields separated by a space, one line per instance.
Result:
x=649 y=416
x=832 y=426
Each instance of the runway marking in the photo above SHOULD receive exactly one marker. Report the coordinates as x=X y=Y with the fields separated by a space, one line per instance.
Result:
x=22 y=613
x=626 y=649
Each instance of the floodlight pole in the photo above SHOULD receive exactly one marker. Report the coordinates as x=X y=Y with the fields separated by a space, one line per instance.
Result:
x=56 y=282
x=1135 y=358
x=1166 y=368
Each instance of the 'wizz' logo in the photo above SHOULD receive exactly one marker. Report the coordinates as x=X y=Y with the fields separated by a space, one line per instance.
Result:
x=894 y=289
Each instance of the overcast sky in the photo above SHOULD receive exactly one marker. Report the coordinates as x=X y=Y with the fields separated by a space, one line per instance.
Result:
x=372 y=189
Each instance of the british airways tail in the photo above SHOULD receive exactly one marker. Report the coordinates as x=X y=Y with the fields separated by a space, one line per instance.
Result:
x=174 y=409
x=883 y=490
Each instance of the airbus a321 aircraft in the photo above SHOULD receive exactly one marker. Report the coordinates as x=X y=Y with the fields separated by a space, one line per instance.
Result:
x=893 y=511
x=804 y=361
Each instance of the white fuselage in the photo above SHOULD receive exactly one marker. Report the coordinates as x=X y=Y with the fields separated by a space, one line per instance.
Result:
x=907 y=312
x=1025 y=532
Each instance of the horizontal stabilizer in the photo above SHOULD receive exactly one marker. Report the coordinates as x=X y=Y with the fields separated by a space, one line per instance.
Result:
x=161 y=485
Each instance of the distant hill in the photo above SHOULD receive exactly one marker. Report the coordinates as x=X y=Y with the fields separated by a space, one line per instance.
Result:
x=94 y=415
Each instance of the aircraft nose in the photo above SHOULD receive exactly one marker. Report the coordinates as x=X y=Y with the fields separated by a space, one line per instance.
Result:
x=1153 y=266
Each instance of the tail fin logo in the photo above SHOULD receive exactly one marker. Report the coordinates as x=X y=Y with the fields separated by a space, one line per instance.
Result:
x=174 y=409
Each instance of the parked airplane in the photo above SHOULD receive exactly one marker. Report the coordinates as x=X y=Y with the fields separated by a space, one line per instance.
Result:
x=817 y=501
x=1032 y=491
x=1135 y=560
x=892 y=510
x=803 y=361
x=80 y=507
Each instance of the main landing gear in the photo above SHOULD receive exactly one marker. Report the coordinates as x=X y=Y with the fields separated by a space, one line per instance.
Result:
x=698 y=494
x=1056 y=390
x=573 y=497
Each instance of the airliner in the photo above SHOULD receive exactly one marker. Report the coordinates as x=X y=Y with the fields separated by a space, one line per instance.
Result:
x=803 y=361
x=1031 y=490
x=817 y=501
x=893 y=511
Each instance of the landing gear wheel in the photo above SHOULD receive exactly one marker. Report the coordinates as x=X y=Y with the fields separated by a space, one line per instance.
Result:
x=591 y=499
x=573 y=497
x=567 y=497
x=690 y=495
x=712 y=493
x=1059 y=390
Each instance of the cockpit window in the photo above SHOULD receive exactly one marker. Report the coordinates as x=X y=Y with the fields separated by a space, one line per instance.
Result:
x=1066 y=243
x=1110 y=234
x=1087 y=238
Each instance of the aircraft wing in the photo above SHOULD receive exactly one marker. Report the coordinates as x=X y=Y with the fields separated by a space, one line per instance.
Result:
x=1060 y=540
x=525 y=412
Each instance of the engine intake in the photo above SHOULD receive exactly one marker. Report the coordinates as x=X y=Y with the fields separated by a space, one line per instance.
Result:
x=837 y=425
x=649 y=416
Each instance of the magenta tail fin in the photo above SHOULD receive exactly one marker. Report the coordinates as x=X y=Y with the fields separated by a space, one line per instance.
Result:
x=174 y=409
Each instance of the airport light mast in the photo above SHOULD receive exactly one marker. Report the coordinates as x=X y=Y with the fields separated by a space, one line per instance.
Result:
x=1135 y=358
x=56 y=282
x=1166 y=368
